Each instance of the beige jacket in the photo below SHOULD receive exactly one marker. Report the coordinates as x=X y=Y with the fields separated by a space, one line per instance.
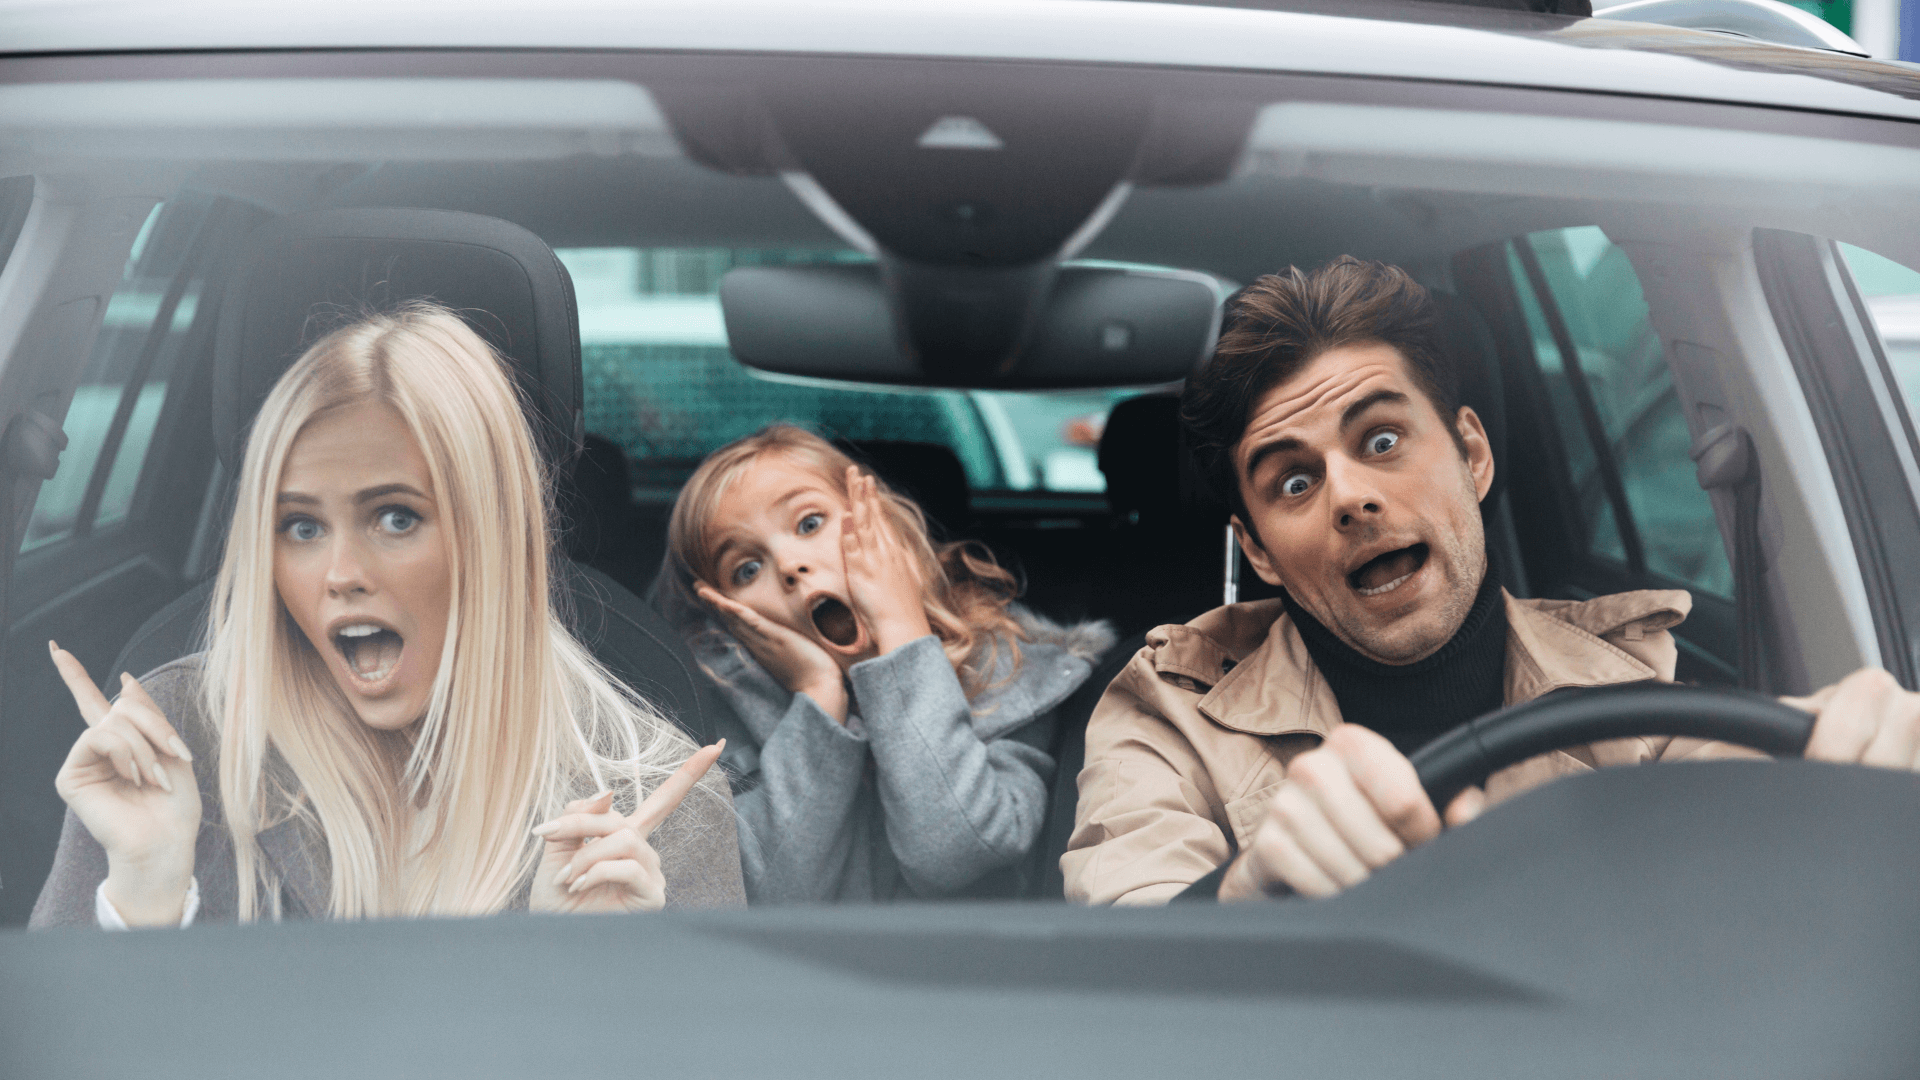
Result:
x=1189 y=742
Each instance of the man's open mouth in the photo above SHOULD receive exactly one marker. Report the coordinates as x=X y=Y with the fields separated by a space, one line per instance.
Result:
x=370 y=650
x=835 y=622
x=1388 y=571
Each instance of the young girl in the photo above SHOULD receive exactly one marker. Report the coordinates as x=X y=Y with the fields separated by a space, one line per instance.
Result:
x=898 y=702
x=390 y=719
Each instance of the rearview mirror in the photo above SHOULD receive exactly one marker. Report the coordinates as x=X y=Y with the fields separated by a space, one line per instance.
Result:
x=1099 y=324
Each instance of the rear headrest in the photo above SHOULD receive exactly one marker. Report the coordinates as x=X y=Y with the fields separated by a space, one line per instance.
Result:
x=1140 y=457
x=928 y=473
x=300 y=276
x=1465 y=337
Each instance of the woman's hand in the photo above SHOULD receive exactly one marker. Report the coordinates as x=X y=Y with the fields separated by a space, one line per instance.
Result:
x=129 y=779
x=795 y=661
x=883 y=577
x=597 y=860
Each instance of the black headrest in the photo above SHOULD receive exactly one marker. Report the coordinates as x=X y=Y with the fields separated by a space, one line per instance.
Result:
x=928 y=473
x=1465 y=337
x=1140 y=456
x=300 y=276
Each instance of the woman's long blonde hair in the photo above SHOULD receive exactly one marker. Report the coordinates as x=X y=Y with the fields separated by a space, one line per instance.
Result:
x=965 y=594
x=521 y=719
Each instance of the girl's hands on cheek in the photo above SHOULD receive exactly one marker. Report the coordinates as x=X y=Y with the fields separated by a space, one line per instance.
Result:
x=883 y=578
x=794 y=660
x=597 y=861
x=129 y=779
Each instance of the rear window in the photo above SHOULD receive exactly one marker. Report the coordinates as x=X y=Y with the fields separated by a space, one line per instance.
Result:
x=661 y=383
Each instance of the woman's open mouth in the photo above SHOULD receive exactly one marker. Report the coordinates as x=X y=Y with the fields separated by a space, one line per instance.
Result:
x=835 y=622
x=1388 y=571
x=371 y=651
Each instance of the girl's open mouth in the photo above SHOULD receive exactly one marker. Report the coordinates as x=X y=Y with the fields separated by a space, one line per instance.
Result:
x=371 y=651
x=1386 y=572
x=835 y=622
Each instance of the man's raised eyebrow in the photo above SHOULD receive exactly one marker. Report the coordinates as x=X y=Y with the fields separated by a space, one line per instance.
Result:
x=1278 y=446
x=1378 y=397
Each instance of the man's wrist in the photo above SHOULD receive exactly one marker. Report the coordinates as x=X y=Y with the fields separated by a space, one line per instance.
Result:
x=1239 y=883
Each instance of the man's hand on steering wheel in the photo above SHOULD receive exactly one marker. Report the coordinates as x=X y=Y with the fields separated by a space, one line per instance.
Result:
x=1349 y=806
x=1354 y=804
x=1867 y=718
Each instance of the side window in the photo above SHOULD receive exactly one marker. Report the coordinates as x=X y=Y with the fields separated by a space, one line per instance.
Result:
x=1892 y=294
x=1616 y=410
x=111 y=421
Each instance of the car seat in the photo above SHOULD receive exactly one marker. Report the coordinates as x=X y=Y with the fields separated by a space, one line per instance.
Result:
x=1167 y=527
x=297 y=277
x=928 y=473
x=604 y=527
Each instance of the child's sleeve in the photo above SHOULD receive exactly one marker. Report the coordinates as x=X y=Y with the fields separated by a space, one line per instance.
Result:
x=957 y=806
x=796 y=818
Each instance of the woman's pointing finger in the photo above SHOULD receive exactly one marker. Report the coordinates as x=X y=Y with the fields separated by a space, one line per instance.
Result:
x=93 y=704
x=667 y=797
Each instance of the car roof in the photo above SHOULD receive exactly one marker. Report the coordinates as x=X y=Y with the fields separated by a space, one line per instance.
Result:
x=1378 y=38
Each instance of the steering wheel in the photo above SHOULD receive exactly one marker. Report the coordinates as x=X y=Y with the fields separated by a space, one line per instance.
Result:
x=1467 y=755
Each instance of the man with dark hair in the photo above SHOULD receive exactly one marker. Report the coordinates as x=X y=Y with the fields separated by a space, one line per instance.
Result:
x=1268 y=740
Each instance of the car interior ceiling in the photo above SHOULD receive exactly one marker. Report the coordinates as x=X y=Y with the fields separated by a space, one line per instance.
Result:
x=1147 y=551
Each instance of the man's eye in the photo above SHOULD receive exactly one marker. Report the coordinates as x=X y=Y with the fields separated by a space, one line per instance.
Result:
x=303 y=530
x=1382 y=441
x=397 y=519
x=811 y=524
x=1297 y=484
x=746 y=571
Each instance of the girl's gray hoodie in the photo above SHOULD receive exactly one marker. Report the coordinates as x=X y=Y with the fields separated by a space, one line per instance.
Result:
x=921 y=793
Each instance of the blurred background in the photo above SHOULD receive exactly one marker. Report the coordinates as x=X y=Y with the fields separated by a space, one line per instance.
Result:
x=1888 y=29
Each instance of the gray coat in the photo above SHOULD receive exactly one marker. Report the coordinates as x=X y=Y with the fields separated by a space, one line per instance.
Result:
x=921 y=793
x=699 y=856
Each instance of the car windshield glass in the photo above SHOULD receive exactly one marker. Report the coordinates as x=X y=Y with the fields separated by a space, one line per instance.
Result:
x=1678 y=467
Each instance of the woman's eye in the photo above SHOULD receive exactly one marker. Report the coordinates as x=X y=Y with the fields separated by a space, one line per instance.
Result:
x=1381 y=442
x=303 y=530
x=746 y=571
x=397 y=519
x=1297 y=484
x=811 y=524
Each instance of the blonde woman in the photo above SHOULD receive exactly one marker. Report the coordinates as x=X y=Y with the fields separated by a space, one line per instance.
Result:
x=899 y=703
x=390 y=718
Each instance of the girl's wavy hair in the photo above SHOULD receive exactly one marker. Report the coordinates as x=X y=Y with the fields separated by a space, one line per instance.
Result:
x=521 y=718
x=966 y=591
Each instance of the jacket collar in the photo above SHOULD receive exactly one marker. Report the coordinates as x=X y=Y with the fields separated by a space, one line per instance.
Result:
x=1277 y=690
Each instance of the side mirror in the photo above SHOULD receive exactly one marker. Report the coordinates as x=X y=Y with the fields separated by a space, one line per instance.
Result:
x=1099 y=324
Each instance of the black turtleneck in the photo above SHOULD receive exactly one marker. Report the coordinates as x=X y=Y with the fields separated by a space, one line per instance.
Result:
x=1411 y=704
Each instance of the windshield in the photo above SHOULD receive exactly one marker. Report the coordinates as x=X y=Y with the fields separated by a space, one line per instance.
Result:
x=1008 y=278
